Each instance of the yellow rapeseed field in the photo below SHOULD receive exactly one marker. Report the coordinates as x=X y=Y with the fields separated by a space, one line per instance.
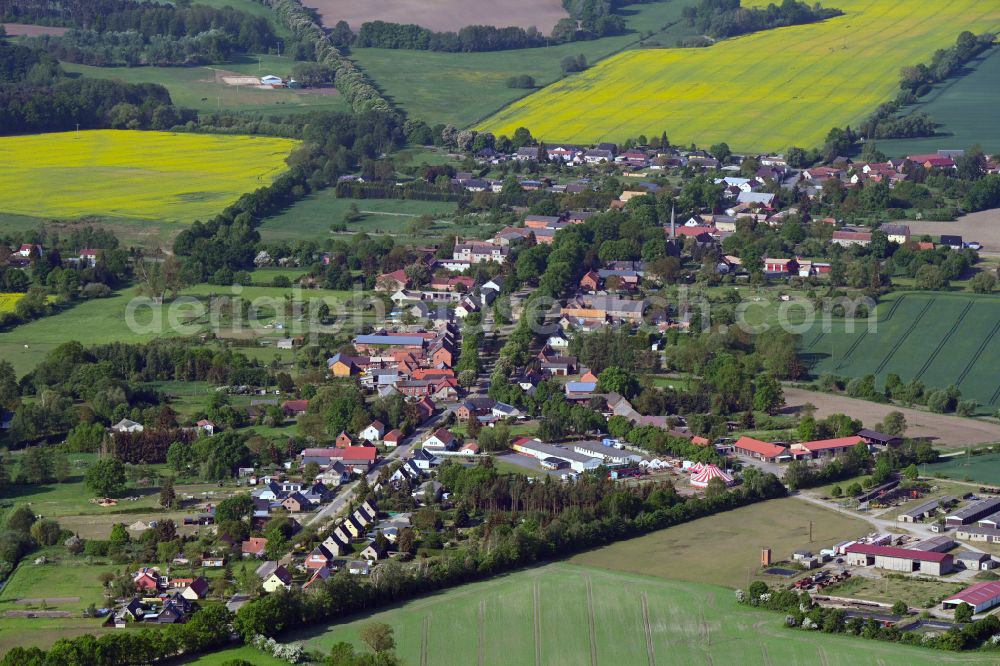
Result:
x=764 y=91
x=8 y=301
x=133 y=174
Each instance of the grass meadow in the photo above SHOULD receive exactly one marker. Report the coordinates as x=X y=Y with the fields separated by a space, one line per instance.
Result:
x=562 y=614
x=132 y=174
x=463 y=88
x=310 y=218
x=734 y=539
x=964 y=109
x=832 y=73
x=981 y=469
x=939 y=338
x=202 y=88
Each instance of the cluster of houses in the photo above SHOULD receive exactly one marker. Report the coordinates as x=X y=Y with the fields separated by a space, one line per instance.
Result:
x=26 y=252
x=292 y=496
x=416 y=364
x=161 y=599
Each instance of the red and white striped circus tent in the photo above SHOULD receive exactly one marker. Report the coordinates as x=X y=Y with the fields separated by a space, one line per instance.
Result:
x=710 y=472
x=697 y=468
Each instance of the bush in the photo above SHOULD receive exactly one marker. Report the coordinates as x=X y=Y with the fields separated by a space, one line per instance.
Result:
x=521 y=81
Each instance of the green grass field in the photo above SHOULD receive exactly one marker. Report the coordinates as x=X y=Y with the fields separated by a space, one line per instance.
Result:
x=916 y=593
x=964 y=109
x=200 y=88
x=246 y=653
x=463 y=88
x=832 y=73
x=733 y=538
x=938 y=338
x=310 y=218
x=133 y=174
x=982 y=469
x=561 y=614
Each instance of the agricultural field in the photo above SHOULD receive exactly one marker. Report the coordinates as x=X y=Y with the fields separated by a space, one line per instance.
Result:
x=964 y=110
x=939 y=338
x=565 y=614
x=132 y=174
x=310 y=218
x=444 y=15
x=947 y=431
x=464 y=88
x=9 y=301
x=204 y=89
x=981 y=469
x=832 y=73
x=734 y=538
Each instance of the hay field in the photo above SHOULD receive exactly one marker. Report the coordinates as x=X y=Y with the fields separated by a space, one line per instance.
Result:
x=132 y=174
x=566 y=615
x=764 y=91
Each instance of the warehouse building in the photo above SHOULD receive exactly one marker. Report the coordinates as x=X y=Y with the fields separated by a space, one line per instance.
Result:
x=551 y=454
x=973 y=533
x=922 y=511
x=973 y=512
x=981 y=596
x=900 y=559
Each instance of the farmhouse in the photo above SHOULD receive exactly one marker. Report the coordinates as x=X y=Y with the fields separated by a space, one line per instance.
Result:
x=825 y=448
x=981 y=596
x=765 y=451
x=846 y=238
x=899 y=559
x=897 y=233
x=973 y=512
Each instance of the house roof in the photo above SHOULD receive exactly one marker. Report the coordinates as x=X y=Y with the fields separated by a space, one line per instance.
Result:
x=390 y=340
x=763 y=448
x=903 y=553
x=821 y=444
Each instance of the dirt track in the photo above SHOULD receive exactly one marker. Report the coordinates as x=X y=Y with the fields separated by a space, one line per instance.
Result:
x=983 y=227
x=946 y=431
x=443 y=14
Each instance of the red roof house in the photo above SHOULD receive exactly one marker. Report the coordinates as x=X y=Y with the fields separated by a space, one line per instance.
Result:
x=755 y=448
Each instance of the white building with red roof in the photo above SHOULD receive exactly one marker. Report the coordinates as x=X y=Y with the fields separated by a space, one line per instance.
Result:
x=981 y=596
x=825 y=448
x=900 y=559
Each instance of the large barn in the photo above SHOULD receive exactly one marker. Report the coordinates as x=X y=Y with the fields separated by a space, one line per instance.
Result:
x=900 y=559
x=981 y=596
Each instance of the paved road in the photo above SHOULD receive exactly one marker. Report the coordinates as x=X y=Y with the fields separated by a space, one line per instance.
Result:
x=329 y=512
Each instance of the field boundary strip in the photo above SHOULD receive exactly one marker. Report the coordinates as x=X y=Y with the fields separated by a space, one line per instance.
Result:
x=944 y=340
x=650 y=652
x=590 y=621
x=537 y=612
x=979 y=352
x=909 y=331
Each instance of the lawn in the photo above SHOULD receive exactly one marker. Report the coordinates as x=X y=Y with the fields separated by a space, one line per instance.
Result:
x=246 y=653
x=202 y=88
x=832 y=73
x=565 y=614
x=733 y=540
x=310 y=218
x=964 y=110
x=938 y=338
x=463 y=88
x=133 y=174
x=63 y=584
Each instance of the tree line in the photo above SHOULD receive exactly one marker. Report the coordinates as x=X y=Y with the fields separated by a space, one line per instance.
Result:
x=726 y=18
x=352 y=83
x=472 y=38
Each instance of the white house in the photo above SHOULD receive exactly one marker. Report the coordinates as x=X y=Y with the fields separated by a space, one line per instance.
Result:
x=127 y=425
x=374 y=432
x=441 y=439
x=557 y=342
x=271 y=80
